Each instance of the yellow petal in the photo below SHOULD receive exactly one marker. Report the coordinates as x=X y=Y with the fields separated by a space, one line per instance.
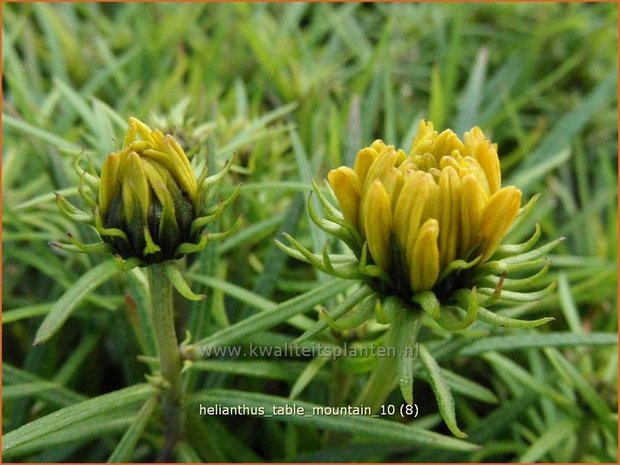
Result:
x=393 y=183
x=424 y=139
x=363 y=160
x=446 y=143
x=431 y=207
x=379 y=146
x=109 y=184
x=409 y=209
x=347 y=188
x=381 y=166
x=473 y=201
x=424 y=266
x=497 y=217
x=474 y=168
x=377 y=216
x=449 y=214
x=480 y=148
x=135 y=188
x=140 y=128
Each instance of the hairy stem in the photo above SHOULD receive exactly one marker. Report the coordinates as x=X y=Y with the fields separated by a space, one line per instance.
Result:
x=170 y=358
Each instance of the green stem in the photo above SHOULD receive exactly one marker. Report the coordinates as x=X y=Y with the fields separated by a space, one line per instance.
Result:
x=162 y=311
x=401 y=338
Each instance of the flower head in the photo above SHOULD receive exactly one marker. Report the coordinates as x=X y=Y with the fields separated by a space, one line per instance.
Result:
x=147 y=205
x=424 y=226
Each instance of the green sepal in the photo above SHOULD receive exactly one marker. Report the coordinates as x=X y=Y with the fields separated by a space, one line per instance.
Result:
x=176 y=278
x=112 y=232
x=129 y=264
x=229 y=232
x=452 y=324
x=458 y=265
x=364 y=294
x=330 y=210
x=91 y=178
x=150 y=247
x=517 y=249
x=515 y=284
x=72 y=212
x=388 y=310
x=332 y=228
x=525 y=211
x=372 y=271
x=355 y=317
x=199 y=223
x=97 y=247
x=498 y=320
x=345 y=271
x=520 y=296
x=531 y=255
x=335 y=216
x=500 y=267
x=206 y=183
x=188 y=247
x=429 y=303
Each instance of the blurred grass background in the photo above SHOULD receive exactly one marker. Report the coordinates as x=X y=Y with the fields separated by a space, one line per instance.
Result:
x=294 y=90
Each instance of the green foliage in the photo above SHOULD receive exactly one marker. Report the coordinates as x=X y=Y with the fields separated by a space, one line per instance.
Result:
x=290 y=91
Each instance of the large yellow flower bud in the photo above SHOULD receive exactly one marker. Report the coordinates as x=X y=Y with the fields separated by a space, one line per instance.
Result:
x=425 y=226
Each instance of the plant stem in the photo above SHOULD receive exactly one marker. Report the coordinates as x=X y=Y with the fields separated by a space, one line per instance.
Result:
x=402 y=334
x=162 y=312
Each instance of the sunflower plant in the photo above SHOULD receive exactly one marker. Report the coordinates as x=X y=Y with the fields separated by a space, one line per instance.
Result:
x=150 y=209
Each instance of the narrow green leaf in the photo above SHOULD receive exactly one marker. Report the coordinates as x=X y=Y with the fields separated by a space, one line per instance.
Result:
x=466 y=387
x=469 y=104
x=68 y=416
x=61 y=396
x=17 y=391
x=41 y=134
x=520 y=341
x=550 y=439
x=281 y=370
x=442 y=391
x=279 y=314
x=554 y=149
x=124 y=449
x=349 y=302
x=312 y=369
x=376 y=429
x=568 y=304
x=505 y=365
x=78 y=433
x=239 y=293
x=568 y=371
x=16 y=314
x=403 y=335
x=185 y=453
x=68 y=303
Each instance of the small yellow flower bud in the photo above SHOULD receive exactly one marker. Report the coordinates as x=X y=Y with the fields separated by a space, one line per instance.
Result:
x=150 y=205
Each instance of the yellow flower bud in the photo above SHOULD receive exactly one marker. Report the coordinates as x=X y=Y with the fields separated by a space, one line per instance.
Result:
x=441 y=203
x=150 y=206
x=425 y=227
